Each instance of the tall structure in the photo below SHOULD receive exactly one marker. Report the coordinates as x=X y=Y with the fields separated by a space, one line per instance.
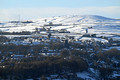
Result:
x=87 y=30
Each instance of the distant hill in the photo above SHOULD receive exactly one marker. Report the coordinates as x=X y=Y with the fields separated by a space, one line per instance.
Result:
x=79 y=19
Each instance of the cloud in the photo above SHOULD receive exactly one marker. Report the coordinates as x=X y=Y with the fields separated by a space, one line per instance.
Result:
x=34 y=13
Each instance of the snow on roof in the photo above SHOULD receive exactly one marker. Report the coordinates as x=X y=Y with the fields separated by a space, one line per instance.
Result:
x=19 y=55
x=43 y=32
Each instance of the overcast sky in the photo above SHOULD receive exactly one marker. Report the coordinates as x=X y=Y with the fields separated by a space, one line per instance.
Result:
x=34 y=9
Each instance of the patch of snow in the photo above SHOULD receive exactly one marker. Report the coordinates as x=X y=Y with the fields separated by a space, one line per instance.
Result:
x=115 y=74
x=84 y=75
x=96 y=39
x=117 y=47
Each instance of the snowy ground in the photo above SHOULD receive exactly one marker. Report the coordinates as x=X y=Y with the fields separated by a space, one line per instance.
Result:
x=85 y=75
x=96 y=39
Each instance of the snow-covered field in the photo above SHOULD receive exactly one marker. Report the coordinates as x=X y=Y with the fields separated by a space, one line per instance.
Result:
x=18 y=29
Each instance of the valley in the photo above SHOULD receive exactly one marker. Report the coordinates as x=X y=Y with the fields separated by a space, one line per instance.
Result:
x=50 y=43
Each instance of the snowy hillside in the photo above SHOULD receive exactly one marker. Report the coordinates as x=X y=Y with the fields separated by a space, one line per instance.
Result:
x=79 y=19
x=73 y=23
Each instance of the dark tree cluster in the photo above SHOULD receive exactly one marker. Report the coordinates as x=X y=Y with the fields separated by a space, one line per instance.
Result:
x=51 y=65
x=77 y=45
x=112 y=53
x=20 y=49
x=56 y=45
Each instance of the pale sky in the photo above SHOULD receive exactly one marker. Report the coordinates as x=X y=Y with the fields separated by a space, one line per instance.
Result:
x=34 y=9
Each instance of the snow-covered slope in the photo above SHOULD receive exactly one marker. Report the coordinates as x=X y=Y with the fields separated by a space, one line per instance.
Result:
x=87 y=18
x=78 y=19
x=81 y=22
